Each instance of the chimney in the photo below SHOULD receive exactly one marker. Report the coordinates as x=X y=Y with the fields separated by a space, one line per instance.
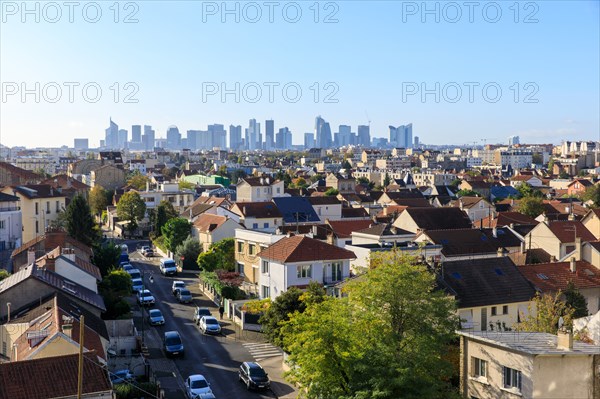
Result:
x=30 y=255
x=564 y=340
x=523 y=247
x=571 y=216
x=500 y=252
x=512 y=202
x=578 y=249
x=552 y=259
x=49 y=263
x=67 y=328
x=546 y=220
x=573 y=265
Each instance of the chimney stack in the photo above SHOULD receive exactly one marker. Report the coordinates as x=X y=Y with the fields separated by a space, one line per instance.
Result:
x=67 y=329
x=564 y=340
x=573 y=265
x=578 y=249
x=500 y=252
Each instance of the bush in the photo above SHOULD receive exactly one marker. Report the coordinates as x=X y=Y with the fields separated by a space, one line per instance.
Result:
x=139 y=390
x=159 y=242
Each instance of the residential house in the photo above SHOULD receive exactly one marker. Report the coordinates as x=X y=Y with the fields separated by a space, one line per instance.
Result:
x=40 y=207
x=340 y=231
x=591 y=221
x=70 y=187
x=480 y=187
x=364 y=252
x=258 y=215
x=492 y=294
x=55 y=377
x=345 y=185
x=296 y=261
x=395 y=197
x=419 y=219
x=64 y=262
x=327 y=208
x=533 y=181
x=210 y=229
x=476 y=207
x=507 y=365
x=381 y=233
x=578 y=186
x=109 y=177
x=558 y=238
x=503 y=219
x=11 y=228
x=258 y=189
x=296 y=210
x=11 y=175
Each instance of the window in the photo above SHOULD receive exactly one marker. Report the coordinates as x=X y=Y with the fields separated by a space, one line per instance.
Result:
x=512 y=378
x=37 y=210
x=4 y=348
x=47 y=206
x=304 y=271
x=479 y=367
x=255 y=225
x=57 y=206
x=240 y=268
x=505 y=309
x=252 y=249
x=265 y=266
x=37 y=227
x=494 y=311
x=278 y=190
x=336 y=271
x=266 y=292
x=1 y=224
x=240 y=247
x=266 y=225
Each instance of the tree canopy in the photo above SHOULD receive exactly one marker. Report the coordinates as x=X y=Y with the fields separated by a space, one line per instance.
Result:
x=98 y=199
x=161 y=215
x=575 y=300
x=106 y=257
x=175 y=231
x=220 y=255
x=544 y=314
x=131 y=208
x=189 y=249
x=80 y=222
x=592 y=194
x=531 y=206
x=138 y=180
x=114 y=287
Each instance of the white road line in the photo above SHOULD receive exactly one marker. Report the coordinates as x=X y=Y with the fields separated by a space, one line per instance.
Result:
x=261 y=351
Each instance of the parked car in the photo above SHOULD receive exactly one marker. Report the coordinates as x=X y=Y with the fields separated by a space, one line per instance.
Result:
x=173 y=344
x=209 y=325
x=147 y=251
x=155 y=317
x=168 y=267
x=197 y=387
x=134 y=273
x=253 y=376
x=177 y=284
x=184 y=295
x=137 y=284
x=127 y=267
x=145 y=298
x=199 y=312
x=121 y=376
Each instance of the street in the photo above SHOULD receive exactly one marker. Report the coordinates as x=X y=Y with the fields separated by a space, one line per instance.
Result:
x=216 y=357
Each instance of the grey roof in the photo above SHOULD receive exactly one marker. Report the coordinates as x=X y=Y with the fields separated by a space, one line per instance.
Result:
x=533 y=343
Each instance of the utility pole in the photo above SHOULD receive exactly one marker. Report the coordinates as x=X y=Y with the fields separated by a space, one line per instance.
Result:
x=80 y=373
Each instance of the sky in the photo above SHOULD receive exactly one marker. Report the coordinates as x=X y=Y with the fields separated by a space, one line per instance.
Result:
x=460 y=72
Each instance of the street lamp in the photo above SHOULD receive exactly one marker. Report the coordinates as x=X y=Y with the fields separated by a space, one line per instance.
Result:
x=141 y=304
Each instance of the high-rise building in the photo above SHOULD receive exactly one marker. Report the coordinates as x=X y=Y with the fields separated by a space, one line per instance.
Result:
x=283 y=139
x=235 y=137
x=401 y=136
x=322 y=133
x=173 y=138
x=269 y=134
x=148 y=138
x=344 y=135
x=253 y=136
x=218 y=136
x=416 y=141
x=123 y=137
x=111 y=138
x=364 y=135
x=81 y=144
x=309 y=140
x=136 y=134
x=513 y=140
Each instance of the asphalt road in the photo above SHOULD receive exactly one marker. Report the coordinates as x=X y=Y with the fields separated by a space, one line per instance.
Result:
x=216 y=357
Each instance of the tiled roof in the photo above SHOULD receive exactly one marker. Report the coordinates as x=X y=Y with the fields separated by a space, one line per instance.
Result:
x=304 y=249
x=23 y=173
x=326 y=200
x=343 y=228
x=259 y=210
x=556 y=276
x=383 y=230
x=52 y=377
x=65 y=181
x=58 y=238
x=207 y=222
x=354 y=213
x=259 y=181
x=485 y=282
x=472 y=241
x=567 y=230
x=413 y=202
x=506 y=219
x=439 y=218
x=37 y=191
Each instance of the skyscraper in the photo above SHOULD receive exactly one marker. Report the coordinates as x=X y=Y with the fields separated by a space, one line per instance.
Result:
x=416 y=141
x=123 y=136
x=364 y=135
x=173 y=138
x=111 y=137
x=513 y=140
x=235 y=137
x=344 y=135
x=136 y=134
x=269 y=134
x=253 y=136
x=148 y=138
x=284 y=139
x=322 y=132
x=81 y=144
x=401 y=136
x=218 y=136
x=309 y=140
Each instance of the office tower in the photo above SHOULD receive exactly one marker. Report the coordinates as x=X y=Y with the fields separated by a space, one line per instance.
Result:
x=204 y=140
x=309 y=140
x=192 y=139
x=123 y=136
x=81 y=144
x=408 y=135
x=136 y=134
x=416 y=141
x=322 y=132
x=283 y=139
x=111 y=138
x=235 y=137
x=364 y=135
x=253 y=136
x=218 y=136
x=173 y=138
x=336 y=139
x=513 y=140
x=344 y=135
x=401 y=136
x=269 y=134
x=148 y=138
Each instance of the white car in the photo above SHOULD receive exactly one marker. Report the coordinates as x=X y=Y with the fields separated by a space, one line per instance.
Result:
x=145 y=298
x=196 y=387
x=209 y=325
x=177 y=284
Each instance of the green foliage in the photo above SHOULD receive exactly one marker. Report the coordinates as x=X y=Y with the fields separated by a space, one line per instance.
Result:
x=186 y=185
x=220 y=256
x=189 y=249
x=131 y=208
x=531 y=206
x=106 y=257
x=4 y=274
x=138 y=181
x=564 y=175
x=467 y=193
x=592 y=193
x=114 y=288
x=387 y=180
x=225 y=283
x=387 y=339
x=544 y=314
x=134 y=391
x=257 y=306
x=280 y=310
x=159 y=242
x=161 y=215
x=525 y=190
x=455 y=183
x=331 y=192
x=80 y=222
x=98 y=199
x=575 y=300
x=175 y=232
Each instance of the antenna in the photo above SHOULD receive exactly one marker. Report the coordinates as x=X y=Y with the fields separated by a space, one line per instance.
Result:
x=368 y=119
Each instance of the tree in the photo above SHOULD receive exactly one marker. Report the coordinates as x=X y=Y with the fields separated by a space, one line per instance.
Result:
x=106 y=257
x=531 y=206
x=592 y=193
x=544 y=314
x=387 y=339
x=131 y=208
x=114 y=287
x=98 y=199
x=575 y=300
x=80 y=223
x=161 y=215
x=175 y=231
x=138 y=181
x=346 y=165
x=280 y=310
x=332 y=192
x=467 y=193
x=186 y=185
x=4 y=274
x=387 y=179
x=189 y=250
x=220 y=255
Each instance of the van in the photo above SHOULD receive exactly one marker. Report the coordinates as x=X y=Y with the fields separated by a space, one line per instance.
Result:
x=168 y=267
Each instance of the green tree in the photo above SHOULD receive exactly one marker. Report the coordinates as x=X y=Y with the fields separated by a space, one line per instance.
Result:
x=175 y=232
x=80 y=222
x=186 y=185
x=138 y=181
x=332 y=192
x=161 y=215
x=592 y=193
x=98 y=199
x=189 y=249
x=106 y=257
x=4 y=274
x=114 y=287
x=575 y=300
x=220 y=255
x=280 y=310
x=387 y=180
x=467 y=193
x=531 y=206
x=346 y=165
x=387 y=339
x=544 y=313
x=131 y=208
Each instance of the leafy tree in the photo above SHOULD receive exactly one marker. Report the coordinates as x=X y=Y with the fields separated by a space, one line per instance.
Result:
x=98 y=199
x=106 y=257
x=80 y=223
x=387 y=179
x=114 y=287
x=220 y=255
x=592 y=193
x=186 y=185
x=189 y=249
x=131 y=208
x=575 y=300
x=564 y=175
x=545 y=313
x=280 y=310
x=531 y=206
x=331 y=192
x=363 y=180
x=346 y=165
x=175 y=231
x=138 y=181
x=4 y=274
x=387 y=339
x=467 y=193
x=161 y=215
x=455 y=183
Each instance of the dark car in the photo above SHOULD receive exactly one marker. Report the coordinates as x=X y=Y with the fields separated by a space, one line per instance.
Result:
x=253 y=376
x=173 y=344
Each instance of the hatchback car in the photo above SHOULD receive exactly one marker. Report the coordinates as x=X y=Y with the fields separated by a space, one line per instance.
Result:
x=196 y=387
x=137 y=284
x=253 y=376
x=145 y=298
x=177 y=284
x=121 y=376
x=127 y=267
x=173 y=344
x=155 y=318
x=209 y=325
x=184 y=295
x=199 y=312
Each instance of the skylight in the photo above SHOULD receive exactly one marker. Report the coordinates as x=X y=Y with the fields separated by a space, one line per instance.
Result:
x=499 y=272
x=456 y=275
x=542 y=276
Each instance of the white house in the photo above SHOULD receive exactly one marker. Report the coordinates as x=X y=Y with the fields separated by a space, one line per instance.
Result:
x=213 y=228
x=327 y=207
x=258 y=189
x=11 y=229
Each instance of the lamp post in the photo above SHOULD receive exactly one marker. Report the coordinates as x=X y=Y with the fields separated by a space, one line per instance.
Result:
x=141 y=304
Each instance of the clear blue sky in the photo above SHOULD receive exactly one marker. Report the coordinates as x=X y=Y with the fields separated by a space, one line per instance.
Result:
x=374 y=53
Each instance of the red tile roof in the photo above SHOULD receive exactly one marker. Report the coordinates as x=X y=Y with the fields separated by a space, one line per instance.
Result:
x=567 y=230
x=304 y=249
x=344 y=228
x=556 y=276
x=208 y=222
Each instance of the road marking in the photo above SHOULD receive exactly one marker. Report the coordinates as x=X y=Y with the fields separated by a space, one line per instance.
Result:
x=261 y=351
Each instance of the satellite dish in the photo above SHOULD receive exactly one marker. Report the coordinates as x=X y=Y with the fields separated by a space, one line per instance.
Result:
x=561 y=321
